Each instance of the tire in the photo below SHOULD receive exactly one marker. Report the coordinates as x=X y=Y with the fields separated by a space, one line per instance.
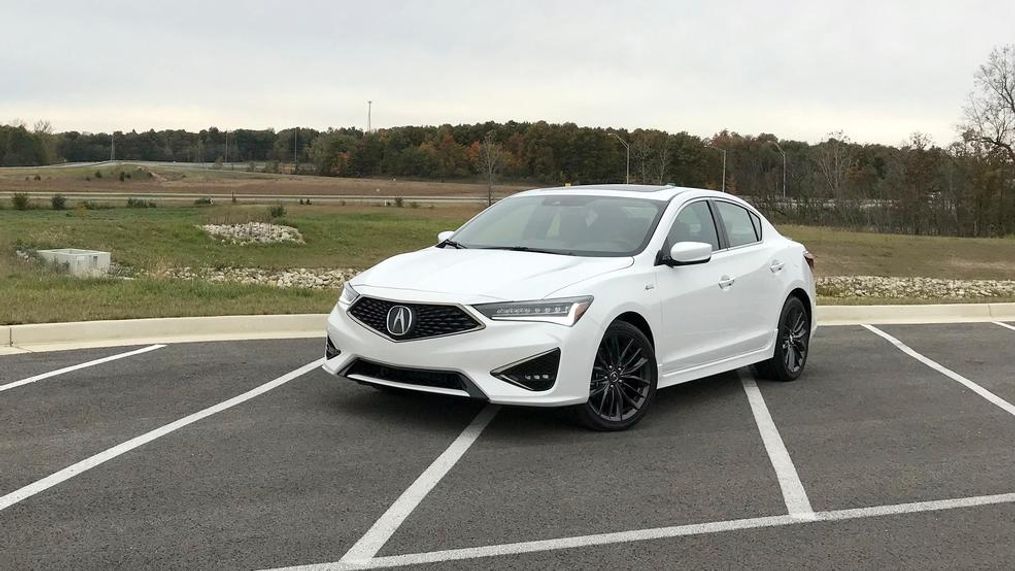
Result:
x=623 y=382
x=792 y=344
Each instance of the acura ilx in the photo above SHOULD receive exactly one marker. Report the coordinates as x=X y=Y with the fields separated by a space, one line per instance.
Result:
x=590 y=297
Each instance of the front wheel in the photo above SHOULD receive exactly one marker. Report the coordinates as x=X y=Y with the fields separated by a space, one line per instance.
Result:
x=791 y=344
x=623 y=382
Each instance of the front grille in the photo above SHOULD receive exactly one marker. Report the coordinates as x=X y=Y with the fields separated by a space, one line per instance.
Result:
x=430 y=320
x=421 y=377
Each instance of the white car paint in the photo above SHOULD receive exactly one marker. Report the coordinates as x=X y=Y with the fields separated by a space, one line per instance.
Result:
x=704 y=319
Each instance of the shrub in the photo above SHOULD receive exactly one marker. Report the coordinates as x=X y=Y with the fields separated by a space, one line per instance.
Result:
x=58 y=201
x=399 y=202
x=98 y=174
x=37 y=177
x=123 y=175
x=20 y=201
x=203 y=201
x=277 y=211
x=413 y=204
x=140 y=203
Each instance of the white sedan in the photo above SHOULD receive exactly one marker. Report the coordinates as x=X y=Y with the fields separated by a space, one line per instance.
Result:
x=586 y=296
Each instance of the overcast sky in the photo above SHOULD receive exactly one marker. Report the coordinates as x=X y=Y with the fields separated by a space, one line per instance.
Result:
x=877 y=70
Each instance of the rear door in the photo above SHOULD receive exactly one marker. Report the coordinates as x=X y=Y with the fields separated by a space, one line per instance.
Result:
x=750 y=277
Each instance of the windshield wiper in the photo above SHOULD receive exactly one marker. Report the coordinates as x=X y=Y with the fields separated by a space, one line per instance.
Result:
x=452 y=243
x=528 y=249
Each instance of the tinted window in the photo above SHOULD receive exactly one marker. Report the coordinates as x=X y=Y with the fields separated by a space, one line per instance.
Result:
x=694 y=224
x=565 y=224
x=737 y=221
x=757 y=224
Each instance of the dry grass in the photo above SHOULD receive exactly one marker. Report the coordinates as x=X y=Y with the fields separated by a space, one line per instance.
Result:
x=190 y=180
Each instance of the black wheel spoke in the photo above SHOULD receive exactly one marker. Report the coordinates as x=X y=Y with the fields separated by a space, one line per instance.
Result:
x=634 y=368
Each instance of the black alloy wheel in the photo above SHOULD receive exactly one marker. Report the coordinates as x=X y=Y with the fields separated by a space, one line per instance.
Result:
x=791 y=345
x=623 y=382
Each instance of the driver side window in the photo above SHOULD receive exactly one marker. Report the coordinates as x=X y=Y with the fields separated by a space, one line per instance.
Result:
x=694 y=224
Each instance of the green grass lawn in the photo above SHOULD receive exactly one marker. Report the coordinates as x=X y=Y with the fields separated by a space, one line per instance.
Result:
x=147 y=240
x=153 y=239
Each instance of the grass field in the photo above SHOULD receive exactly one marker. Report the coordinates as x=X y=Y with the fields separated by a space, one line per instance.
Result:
x=147 y=240
x=167 y=178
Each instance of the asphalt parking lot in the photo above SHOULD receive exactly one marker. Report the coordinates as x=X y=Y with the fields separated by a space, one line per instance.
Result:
x=245 y=455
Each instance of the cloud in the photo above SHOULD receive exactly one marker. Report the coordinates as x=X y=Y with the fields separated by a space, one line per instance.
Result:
x=878 y=70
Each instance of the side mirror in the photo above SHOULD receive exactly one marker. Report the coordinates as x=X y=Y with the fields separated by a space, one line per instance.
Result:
x=445 y=235
x=688 y=253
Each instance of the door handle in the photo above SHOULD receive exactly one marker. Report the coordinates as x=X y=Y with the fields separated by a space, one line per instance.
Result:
x=776 y=266
x=726 y=282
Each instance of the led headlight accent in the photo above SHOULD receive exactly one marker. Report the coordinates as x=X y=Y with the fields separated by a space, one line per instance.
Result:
x=536 y=373
x=348 y=296
x=563 y=310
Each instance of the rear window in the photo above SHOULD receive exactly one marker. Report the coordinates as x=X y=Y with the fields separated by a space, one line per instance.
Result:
x=741 y=229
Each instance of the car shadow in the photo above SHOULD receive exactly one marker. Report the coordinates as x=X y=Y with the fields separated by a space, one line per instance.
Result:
x=675 y=408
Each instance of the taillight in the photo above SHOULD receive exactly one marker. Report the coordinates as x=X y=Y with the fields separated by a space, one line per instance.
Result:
x=809 y=258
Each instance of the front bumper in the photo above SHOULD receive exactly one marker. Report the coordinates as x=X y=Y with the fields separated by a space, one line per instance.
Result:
x=474 y=354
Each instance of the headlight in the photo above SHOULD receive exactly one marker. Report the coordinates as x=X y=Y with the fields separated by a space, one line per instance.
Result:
x=348 y=296
x=563 y=310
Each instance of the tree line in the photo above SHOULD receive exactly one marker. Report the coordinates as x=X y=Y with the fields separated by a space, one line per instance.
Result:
x=962 y=188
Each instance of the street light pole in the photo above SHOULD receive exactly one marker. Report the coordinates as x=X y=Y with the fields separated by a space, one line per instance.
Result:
x=777 y=146
x=723 y=151
x=627 y=176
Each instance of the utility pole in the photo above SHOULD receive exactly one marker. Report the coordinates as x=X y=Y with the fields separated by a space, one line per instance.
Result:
x=627 y=176
x=227 y=147
x=112 y=146
x=723 y=151
x=370 y=110
x=296 y=161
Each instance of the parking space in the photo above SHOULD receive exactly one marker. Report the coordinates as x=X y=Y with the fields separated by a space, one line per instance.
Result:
x=25 y=365
x=870 y=425
x=533 y=475
x=984 y=352
x=314 y=465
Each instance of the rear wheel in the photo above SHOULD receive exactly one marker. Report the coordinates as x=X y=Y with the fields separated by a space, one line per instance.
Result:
x=623 y=382
x=791 y=345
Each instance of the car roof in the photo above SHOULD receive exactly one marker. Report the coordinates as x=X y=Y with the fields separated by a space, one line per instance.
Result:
x=649 y=191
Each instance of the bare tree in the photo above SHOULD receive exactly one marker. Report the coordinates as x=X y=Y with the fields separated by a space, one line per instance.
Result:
x=491 y=159
x=834 y=159
x=991 y=109
x=664 y=161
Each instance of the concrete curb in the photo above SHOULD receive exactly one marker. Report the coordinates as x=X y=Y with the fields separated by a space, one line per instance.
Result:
x=901 y=314
x=87 y=334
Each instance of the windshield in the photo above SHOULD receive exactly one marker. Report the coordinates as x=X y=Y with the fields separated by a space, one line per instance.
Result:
x=570 y=225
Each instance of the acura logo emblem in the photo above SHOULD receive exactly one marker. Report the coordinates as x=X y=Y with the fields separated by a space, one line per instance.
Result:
x=400 y=320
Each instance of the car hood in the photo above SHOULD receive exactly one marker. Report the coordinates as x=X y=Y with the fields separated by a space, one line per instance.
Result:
x=477 y=275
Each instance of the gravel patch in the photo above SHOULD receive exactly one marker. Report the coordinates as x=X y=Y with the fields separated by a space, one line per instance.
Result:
x=293 y=278
x=254 y=233
x=914 y=288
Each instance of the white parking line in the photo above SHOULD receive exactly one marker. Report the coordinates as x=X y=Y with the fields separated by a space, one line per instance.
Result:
x=656 y=533
x=102 y=457
x=793 y=492
x=382 y=530
x=1003 y=325
x=9 y=386
x=996 y=400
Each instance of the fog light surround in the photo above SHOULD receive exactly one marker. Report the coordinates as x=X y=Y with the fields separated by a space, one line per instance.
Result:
x=330 y=351
x=535 y=373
